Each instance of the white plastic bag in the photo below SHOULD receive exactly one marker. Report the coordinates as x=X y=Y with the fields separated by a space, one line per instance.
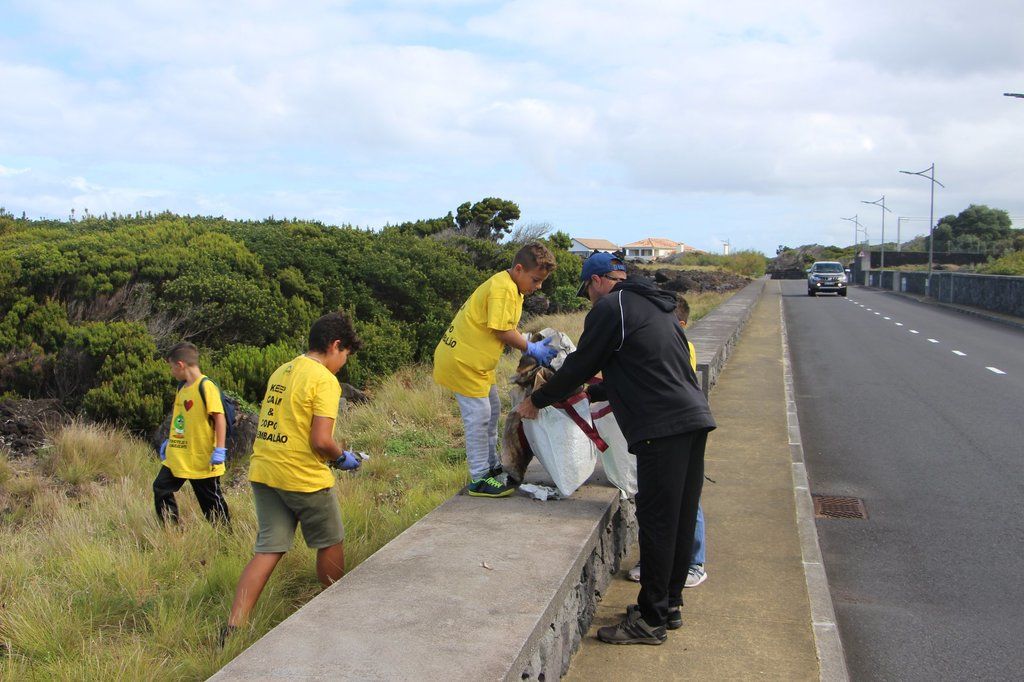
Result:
x=566 y=452
x=619 y=462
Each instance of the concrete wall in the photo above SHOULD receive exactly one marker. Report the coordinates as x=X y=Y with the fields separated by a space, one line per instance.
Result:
x=996 y=293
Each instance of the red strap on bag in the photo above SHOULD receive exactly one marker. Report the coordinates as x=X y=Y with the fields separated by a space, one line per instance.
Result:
x=567 y=407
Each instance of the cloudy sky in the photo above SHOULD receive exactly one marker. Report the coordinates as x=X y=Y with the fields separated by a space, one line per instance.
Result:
x=756 y=122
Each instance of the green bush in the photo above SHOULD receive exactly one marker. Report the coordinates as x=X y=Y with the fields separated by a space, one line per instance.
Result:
x=245 y=369
x=564 y=299
x=245 y=291
x=386 y=347
x=118 y=360
x=1009 y=264
x=747 y=263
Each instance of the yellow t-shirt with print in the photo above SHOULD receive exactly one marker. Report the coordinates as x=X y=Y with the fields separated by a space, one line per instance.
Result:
x=282 y=456
x=191 y=440
x=465 y=359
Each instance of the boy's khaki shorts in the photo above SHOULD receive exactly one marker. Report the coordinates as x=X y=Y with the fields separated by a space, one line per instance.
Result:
x=279 y=511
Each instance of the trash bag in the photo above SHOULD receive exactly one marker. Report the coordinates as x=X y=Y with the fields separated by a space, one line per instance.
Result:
x=558 y=440
x=619 y=463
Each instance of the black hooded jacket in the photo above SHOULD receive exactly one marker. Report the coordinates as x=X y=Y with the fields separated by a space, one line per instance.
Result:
x=632 y=335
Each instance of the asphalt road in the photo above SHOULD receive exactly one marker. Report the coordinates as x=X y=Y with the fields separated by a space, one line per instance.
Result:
x=917 y=410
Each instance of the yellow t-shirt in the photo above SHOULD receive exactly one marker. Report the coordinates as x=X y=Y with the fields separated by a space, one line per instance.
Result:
x=191 y=440
x=282 y=456
x=465 y=359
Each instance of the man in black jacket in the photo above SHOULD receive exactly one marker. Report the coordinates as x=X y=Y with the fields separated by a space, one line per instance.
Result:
x=631 y=335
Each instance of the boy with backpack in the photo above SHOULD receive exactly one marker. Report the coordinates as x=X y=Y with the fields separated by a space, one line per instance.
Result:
x=194 y=450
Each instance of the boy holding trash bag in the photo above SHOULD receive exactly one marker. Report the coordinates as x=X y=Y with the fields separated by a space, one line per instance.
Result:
x=468 y=353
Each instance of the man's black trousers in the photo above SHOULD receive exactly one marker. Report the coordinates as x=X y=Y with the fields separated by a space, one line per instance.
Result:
x=208 y=492
x=670 y=473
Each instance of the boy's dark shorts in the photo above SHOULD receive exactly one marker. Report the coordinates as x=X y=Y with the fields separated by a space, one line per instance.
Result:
x=279 y=511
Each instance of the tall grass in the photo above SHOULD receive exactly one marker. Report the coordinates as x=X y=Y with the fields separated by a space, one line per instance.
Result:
x=92 y=587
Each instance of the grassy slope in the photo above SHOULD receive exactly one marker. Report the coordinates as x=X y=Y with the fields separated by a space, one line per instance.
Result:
x=91 y=587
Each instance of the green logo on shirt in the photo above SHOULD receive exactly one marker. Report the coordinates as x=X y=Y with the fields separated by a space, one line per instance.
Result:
x=179 y=424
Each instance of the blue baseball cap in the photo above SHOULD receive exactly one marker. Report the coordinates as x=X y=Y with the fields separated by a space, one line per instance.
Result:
x=598 y=264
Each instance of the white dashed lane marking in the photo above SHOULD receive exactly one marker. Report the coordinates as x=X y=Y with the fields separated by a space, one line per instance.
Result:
x=995 y=370
x=933 y=340
x=886 y=318
x=914 y=331
x=899 y=324
x=960 y=353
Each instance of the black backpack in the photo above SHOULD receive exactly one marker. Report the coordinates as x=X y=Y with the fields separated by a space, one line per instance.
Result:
x=229 y=407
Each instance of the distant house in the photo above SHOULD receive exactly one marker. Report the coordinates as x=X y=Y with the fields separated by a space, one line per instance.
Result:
x=584 y=247
x=653 y=248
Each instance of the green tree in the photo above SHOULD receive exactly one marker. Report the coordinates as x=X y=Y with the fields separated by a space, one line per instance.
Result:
x=489 y=218
x=560 y=240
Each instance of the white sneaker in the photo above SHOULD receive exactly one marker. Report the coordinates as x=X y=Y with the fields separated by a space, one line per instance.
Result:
x=634 y=573
x=696 y=575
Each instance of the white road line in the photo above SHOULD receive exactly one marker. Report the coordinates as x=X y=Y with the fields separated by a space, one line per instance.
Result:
x=899 y=324
x=867 y=309
x=933 y=340
x=995 y=370
x=960 y=353
x=914 y=331
x=886 y=318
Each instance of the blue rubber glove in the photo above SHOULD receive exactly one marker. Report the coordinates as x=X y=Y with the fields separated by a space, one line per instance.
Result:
x=163 y=450
x=542 y=351
x=218 y=456
x=347 y=462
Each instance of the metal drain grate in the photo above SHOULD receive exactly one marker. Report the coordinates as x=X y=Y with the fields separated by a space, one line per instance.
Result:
x=833 y=507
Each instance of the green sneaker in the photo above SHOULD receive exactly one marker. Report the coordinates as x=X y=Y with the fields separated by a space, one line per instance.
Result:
x=489 y=487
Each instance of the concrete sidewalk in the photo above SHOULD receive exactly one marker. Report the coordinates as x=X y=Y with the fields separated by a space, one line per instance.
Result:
x=751 y=619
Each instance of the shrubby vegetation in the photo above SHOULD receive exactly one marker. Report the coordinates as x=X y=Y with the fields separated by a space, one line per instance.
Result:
x=88 y=306
x=1010 y=264
x=746 y=263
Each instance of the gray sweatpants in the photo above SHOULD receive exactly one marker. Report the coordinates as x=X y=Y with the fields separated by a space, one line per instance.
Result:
x=480 y=419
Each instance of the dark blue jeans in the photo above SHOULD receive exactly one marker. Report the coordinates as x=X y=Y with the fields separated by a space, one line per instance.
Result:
x=670 y=474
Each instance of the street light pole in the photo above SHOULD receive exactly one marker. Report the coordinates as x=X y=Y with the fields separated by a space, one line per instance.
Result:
x=881 y=202
x=856 y=229
x=931 y=219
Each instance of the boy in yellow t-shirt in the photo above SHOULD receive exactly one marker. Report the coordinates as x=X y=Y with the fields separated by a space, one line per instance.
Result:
x=194 y=450
x=466 y=357
x=291 y=482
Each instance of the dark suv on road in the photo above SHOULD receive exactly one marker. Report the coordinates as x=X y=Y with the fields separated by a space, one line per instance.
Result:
x=826 y=276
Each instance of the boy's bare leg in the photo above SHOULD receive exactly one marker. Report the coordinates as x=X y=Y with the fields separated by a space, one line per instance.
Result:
x=250 y=585
x=330 y=564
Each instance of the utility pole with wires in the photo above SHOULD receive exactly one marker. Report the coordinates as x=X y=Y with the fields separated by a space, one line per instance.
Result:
x=899 y=224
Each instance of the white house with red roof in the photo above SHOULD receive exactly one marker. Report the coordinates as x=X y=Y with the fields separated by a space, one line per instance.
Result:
x=653 y=248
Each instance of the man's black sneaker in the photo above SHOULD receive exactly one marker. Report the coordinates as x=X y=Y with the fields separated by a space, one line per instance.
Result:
x=675 y=616
x=632 y=629
x=489 y=487
x=495 y=472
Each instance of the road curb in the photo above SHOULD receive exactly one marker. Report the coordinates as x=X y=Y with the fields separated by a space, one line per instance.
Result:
x=831 y=658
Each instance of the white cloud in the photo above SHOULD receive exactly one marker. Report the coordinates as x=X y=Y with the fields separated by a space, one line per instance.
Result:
x=397 y=110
